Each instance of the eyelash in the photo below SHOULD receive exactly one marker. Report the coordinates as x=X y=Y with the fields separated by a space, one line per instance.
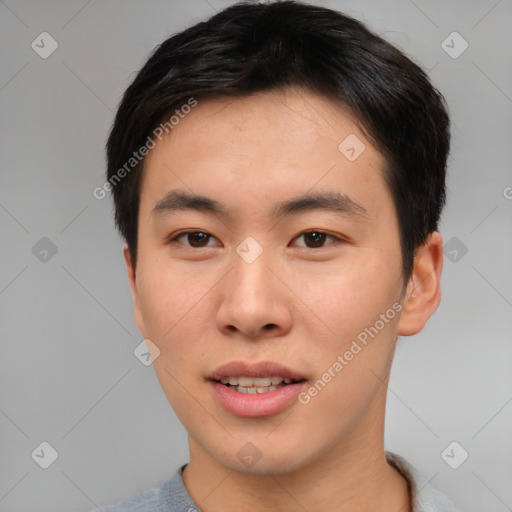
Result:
x=185 y=233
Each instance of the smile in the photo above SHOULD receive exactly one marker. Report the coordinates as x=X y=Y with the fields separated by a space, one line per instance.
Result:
x=252 y=386
x=255 y=390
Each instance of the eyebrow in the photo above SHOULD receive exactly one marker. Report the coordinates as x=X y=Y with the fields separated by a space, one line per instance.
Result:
x=177 y=200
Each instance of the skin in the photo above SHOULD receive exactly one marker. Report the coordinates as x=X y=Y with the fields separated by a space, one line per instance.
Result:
x=205 y=306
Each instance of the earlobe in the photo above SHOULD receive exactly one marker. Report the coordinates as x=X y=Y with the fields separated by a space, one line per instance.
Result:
x=423 y=293
x=130 y=270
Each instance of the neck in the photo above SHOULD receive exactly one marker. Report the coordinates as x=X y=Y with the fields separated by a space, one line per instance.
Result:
x=348 y=478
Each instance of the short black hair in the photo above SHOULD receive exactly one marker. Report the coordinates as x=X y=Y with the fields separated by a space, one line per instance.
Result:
x=254 y=47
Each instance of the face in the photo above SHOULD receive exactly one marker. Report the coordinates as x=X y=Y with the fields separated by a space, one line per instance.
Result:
x=266 y=253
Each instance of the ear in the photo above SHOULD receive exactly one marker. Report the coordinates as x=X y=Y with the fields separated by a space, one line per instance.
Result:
x=137 y=312
x=423 y=293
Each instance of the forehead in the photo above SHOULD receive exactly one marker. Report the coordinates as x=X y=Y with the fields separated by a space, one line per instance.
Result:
x=282 y=116
x=256 y=148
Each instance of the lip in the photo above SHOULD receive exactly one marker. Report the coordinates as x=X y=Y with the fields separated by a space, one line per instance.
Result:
x=255 y=405
x=254 y=370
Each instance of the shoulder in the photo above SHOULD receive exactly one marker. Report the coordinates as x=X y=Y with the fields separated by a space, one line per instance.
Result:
x=170 y=496
x=425 y=498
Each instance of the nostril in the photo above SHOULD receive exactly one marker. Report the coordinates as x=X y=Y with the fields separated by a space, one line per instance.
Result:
x=268 y=327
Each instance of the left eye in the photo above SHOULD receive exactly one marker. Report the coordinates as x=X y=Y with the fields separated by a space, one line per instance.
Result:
x=314 y=239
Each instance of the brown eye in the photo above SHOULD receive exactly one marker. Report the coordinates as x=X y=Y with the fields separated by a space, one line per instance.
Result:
x=196 y=239
x=315 y=239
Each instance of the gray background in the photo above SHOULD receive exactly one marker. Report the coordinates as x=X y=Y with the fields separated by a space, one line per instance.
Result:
x=68 y=375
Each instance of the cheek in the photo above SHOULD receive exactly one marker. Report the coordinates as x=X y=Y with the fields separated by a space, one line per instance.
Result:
x=353 y=356
x=351 y=299
x=178 y=321
x=173 y=304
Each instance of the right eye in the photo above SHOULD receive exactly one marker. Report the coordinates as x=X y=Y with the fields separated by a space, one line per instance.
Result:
x=195 y=239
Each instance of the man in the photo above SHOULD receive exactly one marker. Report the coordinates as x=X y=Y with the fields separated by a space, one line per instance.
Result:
x=278 y=174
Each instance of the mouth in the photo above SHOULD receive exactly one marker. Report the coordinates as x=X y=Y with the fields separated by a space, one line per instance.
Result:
x=257 y=385
x=255 y=390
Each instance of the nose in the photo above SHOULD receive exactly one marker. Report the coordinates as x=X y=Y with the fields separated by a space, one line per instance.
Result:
x=255 y=303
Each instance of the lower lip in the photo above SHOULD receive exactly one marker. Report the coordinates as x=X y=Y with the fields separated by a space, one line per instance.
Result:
x=259 y=404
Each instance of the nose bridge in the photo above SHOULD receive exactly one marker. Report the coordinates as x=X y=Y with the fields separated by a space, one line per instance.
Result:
x=252 y=300
x=250 y=276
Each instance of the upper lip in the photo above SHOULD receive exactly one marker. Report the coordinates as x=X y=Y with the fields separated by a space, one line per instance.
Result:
x=254 y=370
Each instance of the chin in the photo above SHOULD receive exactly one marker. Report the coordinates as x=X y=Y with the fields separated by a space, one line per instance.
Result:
x=250 y=461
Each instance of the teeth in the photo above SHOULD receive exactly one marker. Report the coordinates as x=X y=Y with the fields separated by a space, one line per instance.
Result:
x=256 y=385
x=246 y=382
x=257 y=382
x=262 y=382
x=254 y=391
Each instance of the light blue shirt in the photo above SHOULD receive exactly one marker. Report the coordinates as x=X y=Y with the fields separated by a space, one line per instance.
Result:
x=172 y=496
